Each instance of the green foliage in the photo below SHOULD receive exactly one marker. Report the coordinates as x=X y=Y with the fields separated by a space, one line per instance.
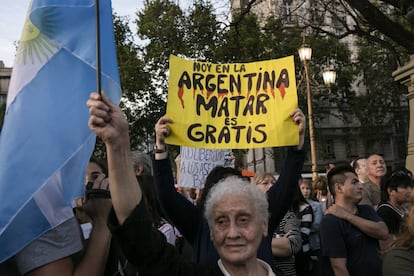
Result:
x=165 y=30
x=242 y=42
x=281 y=41
x=134 y=77
x=383 y=96
x=141 y=102
x=338 y=53
x=161 y=22
x=203 y=33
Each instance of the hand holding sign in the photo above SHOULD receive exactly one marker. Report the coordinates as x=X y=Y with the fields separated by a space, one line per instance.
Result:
x=299 y=118
x=162 y=130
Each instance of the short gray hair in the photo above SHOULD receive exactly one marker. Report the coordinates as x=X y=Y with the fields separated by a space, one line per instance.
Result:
x=234 y=185
x=142 y=159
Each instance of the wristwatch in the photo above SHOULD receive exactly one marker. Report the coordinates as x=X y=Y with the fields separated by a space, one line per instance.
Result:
x=160 y=150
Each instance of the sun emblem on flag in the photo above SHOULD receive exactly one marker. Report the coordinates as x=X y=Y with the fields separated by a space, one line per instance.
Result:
x=34 y=45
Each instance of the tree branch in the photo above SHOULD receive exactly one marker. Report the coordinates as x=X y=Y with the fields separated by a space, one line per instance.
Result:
x=382 y=23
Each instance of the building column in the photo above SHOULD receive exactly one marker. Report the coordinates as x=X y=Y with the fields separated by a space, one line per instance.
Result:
x=405 y=75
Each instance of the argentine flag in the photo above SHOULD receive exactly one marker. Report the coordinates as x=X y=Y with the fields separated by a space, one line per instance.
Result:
x=45 y=142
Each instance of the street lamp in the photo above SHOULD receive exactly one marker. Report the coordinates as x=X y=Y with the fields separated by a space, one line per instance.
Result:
x=329 y=76
x=305 y=55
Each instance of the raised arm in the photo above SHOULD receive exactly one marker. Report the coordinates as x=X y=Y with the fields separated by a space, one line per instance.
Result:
x=109 y=123
x=181 y=212
x=283 y=191
x=130 y=222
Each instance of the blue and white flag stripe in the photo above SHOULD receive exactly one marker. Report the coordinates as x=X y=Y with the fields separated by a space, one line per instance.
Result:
x=45 y=142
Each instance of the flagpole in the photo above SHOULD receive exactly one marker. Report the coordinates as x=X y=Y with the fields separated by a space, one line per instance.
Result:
x=98 y=49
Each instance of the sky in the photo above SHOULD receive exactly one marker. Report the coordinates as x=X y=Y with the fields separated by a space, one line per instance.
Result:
x=12 y=16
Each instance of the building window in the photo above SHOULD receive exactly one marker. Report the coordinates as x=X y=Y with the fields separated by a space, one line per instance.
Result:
x=401 y=148
x=329 y=149
x=287 y=11
x=351 y=149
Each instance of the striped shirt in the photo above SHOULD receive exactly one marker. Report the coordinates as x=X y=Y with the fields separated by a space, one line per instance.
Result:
x=289 y=227
x=306 y=219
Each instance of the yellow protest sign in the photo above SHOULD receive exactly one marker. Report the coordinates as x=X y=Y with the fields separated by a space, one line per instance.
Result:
x=232 y=106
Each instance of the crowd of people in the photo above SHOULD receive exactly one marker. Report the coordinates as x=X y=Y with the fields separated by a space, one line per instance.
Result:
x=356 y=220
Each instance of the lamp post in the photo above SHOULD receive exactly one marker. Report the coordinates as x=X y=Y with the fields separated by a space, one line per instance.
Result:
x=305 y=55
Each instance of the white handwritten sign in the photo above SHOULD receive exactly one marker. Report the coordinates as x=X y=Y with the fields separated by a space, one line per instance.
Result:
x=196 y=164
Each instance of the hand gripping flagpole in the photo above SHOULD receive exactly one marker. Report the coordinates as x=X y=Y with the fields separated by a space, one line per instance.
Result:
x=98 y=49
